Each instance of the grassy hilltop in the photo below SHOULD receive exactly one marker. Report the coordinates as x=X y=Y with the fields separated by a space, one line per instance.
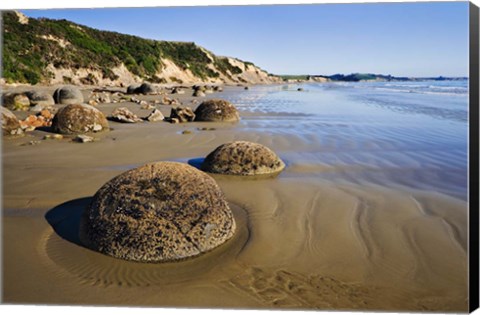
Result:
x=31 y=45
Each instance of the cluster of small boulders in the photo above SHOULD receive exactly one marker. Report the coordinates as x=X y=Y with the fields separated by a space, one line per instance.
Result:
x=41 y=119
x=27 y=101
x=80 y=115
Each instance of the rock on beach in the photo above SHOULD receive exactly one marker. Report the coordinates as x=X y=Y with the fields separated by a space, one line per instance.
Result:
x=155 y=115
x=216 y=110
x=159 y=212
x=132 y=89
x=68 y=95
x=242 y=158
x=124 y=115
x=40 y=99
x=75 y=119
x=182 y=114
x=16 y=101
x=10 y=123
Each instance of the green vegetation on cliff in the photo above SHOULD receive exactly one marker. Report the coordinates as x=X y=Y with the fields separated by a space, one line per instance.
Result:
x=29 y=48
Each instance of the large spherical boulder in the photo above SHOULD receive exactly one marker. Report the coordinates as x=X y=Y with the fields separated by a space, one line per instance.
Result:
x=10 y=123
x=75 y=118
x=68 y=95
x=216 y=110
x=40 y=98
x=242 y=158
x=159 y=212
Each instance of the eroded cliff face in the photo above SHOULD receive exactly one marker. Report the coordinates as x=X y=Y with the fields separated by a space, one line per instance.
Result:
x=59 y=51
x=169 y=74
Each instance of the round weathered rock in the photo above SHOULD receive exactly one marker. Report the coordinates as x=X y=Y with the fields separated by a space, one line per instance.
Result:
x=68 y=95
x=216 y=110
x=159 y=212
x=10 y=123
x=146 y=88
x=75 y=118
x=243 y=158
x=42 y=99
x=16 y=101
x=132 y=89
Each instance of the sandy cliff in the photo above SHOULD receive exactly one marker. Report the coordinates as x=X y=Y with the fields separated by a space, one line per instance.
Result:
x=59 y=51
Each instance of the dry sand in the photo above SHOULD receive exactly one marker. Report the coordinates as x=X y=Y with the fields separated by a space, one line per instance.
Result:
x=303 y=242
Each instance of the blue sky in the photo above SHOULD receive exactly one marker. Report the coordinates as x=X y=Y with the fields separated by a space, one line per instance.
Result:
x=402 y=39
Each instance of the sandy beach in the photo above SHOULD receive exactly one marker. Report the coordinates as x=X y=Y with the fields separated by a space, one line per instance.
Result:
x=330 y=232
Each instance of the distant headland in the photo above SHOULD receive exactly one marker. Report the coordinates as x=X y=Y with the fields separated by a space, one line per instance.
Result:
x=362 y=77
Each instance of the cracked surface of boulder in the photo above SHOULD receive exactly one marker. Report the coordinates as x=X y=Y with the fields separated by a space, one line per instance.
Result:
x=75 y=119
x=243 y=158
x=164 y=211
x=216 y=110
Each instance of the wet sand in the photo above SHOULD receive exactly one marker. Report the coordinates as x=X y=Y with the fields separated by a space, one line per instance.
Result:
x=305 y=241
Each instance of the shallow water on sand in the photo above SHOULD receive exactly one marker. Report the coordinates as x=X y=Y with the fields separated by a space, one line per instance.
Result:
x=412 y=135
x=370 y=212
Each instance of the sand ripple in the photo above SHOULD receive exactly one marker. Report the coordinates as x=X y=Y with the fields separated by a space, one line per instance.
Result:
x=95 y=269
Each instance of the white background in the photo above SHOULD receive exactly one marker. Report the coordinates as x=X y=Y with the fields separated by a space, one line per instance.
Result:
x=68 y=310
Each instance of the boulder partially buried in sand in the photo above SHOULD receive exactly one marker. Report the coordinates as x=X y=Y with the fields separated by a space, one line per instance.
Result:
x=10 y=123
x=68 y=95
x=243 y=158
x=159 y=212
x=216 y=110
x=75 y=119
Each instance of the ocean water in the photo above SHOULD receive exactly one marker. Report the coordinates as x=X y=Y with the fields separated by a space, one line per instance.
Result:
x=403 y=135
